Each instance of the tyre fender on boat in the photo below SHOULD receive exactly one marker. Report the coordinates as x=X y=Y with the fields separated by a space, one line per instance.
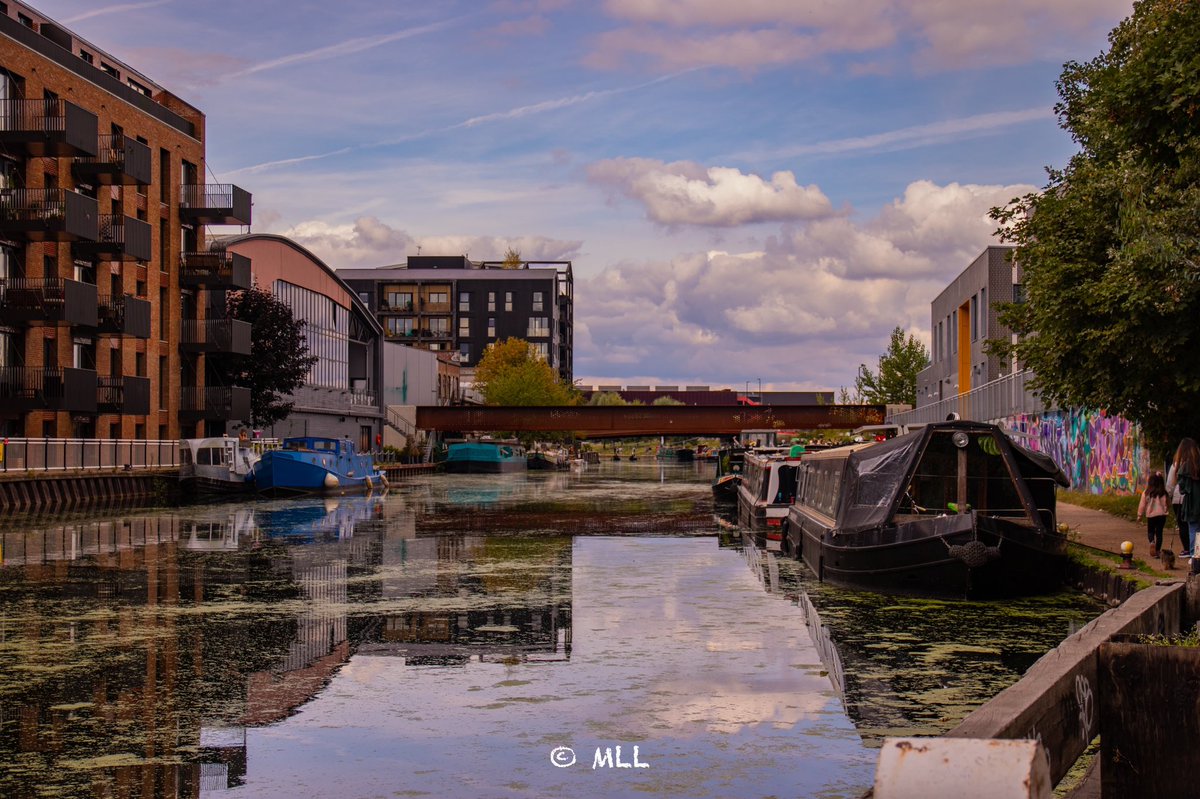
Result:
x=331 y=480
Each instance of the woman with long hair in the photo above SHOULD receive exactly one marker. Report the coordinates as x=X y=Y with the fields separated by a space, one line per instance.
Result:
x=1183 y=483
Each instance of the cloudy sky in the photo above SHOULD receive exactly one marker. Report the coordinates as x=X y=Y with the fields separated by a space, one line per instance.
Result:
x=748 y=189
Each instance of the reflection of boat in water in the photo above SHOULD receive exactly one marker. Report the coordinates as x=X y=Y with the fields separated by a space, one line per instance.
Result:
x=221 y=465
x=219 y=531
x=314 y=465
x=484 y=456
x=681 y=454
x=318 y=519
x=954 y=509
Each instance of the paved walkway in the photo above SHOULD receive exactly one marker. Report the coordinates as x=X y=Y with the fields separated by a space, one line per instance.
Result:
x=1105 y=531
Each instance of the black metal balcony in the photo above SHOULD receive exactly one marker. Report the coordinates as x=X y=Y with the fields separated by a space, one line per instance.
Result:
x=216 y=269
x=215 y=335
x=47 y=128
x=48 y=215
x=126 y=395
x=32 y=389
x=124 y=315
x=120 y=161
x=50 y=300
x=227 y=404
x=215 y=204
x=121 y=238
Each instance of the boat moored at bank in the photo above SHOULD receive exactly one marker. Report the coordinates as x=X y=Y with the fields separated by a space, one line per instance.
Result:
x=485 y=456
x=954 y=509
x=316 y=465
x=765 y=492
x=217 y=465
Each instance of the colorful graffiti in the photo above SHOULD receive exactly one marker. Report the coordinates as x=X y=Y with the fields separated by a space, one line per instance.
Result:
x=1098 y=452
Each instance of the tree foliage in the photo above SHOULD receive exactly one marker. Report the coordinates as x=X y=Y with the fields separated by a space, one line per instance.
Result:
x=511 y=373
x=1109 y=248
x=607 y=398
x=512 y=259
x=895 y=382
x=278 y=360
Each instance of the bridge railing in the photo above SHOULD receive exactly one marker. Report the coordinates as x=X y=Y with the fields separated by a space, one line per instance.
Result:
x=62 y=454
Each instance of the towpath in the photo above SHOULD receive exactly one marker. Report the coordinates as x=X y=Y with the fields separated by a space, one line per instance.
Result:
x=1104 y=531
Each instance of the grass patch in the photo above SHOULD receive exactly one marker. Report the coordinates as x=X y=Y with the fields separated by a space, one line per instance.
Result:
x=1140 y=575
x=1124 y=507
x=1191 y=639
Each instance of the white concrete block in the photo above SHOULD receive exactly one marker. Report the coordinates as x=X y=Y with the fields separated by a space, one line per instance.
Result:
x=950 y=768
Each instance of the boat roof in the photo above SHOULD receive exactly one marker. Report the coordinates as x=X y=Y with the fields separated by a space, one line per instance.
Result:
x=211 y=441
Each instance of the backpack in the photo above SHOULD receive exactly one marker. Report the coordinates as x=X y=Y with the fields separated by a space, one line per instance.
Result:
x=1190 y=489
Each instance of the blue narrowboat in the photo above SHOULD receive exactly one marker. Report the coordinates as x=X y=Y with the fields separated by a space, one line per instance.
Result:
x=314 y=465
x=485 y=456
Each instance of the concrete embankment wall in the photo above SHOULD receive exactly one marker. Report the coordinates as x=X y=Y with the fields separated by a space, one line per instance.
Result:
x=60 y=491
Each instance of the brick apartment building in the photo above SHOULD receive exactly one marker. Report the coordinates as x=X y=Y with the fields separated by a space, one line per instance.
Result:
x=455 y=305
x=111 y=304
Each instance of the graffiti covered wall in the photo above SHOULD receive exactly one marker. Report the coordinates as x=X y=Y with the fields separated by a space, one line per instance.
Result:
x=1099 y=453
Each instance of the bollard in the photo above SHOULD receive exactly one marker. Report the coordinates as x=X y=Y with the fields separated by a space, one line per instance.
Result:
x=1126 y=555
x=949 y=768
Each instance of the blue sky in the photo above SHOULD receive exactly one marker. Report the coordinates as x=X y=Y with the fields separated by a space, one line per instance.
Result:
x=748 y=190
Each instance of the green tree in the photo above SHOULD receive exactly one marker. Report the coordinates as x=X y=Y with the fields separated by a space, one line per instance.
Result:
x=278 y=361
x=666 y=401
x=607 y=398
x=1109 y=247
x=512 y=259
x=511 y=373
x=896 y=380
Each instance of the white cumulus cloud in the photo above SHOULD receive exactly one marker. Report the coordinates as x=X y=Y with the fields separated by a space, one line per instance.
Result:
x=686 y=193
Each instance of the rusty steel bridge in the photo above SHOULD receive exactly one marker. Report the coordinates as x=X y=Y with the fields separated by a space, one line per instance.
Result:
x=620 y=421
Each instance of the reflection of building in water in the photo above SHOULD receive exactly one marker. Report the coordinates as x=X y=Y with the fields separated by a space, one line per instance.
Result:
x=497 y=597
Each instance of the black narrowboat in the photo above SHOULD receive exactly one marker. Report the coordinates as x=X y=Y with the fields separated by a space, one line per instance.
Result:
x=729 y=474
x=955 y=509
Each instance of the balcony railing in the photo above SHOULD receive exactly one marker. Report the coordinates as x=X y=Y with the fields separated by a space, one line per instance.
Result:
x=332 y=399
x=124 y=315
x=120 y=161
x=120 y=238
x=48 y=299
x=48 y=128
x=215 y=269
x=222 y=403
x=1005 y=396
x=215 y=204
x=32 y=388
x=48 y=215
x=126 y=395
x=215 y=335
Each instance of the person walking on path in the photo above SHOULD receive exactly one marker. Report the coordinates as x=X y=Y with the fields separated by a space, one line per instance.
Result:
x=1186 y=468
x=1153 y=508
x=1185 y=530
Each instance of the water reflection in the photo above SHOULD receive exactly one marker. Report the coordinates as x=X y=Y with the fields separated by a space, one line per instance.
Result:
x=909 y=666
x=443 y=639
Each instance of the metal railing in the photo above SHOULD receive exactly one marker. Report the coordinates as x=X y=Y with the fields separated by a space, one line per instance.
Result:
x=335 y=399
x=63 y=454
x=34 y=116
x=1002 y=397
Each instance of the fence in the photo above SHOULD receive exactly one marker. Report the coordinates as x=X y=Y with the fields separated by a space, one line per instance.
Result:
x=1005 y=396
x=62 y=454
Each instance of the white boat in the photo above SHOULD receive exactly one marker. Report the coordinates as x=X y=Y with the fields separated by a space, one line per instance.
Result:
x=221 y=465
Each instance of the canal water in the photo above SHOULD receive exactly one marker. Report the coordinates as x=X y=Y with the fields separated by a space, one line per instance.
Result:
x=595 y=633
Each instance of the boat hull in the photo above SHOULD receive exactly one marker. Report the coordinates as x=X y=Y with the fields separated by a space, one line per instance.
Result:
x=484 y=458
x=287 y=473
x=957 y=556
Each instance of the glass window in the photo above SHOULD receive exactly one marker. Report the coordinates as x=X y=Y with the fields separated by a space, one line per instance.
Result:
x=983 y=312
x=464 y=301
x=491 y=301
x=464 y=326
x=326 y=331
x=542 y=350
x=538 y=301
x=974 y=317
x=508 y=300
x=439 y=326
x=439 y=297
x=394 y=300
x=491 y=327
x=539 y=326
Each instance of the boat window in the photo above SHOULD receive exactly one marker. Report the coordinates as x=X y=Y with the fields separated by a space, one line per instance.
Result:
x=786 y=491
x=208 y=456
x=820 y=485
x=185 y=456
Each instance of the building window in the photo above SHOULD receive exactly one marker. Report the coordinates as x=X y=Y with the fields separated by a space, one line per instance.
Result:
x=326 y=332
x=491 y=327
x=164 y=384
x=110 y=70
x=397 y=300
x=975 y=317
x=164 y=314
x=539 y=326
x=464 y=326
x=1018 y=293
x=508 y=300
x=439 y=298
x=954 y=331
x=542 y=350
x=399 y=327
x=983 y=312
x=365 y=298
x=24 y=20
x=439 y=326
x=464 y=352
x=139 y=364
x=137 y=87
x=491 y=302
x=87 y=57
x=538 y=301
x=464 y=301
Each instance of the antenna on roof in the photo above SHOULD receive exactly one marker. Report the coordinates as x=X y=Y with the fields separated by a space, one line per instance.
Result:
x=418 y=249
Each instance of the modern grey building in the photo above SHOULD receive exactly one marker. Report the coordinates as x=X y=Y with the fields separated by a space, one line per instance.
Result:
x=963 y=318
x=452 y=304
